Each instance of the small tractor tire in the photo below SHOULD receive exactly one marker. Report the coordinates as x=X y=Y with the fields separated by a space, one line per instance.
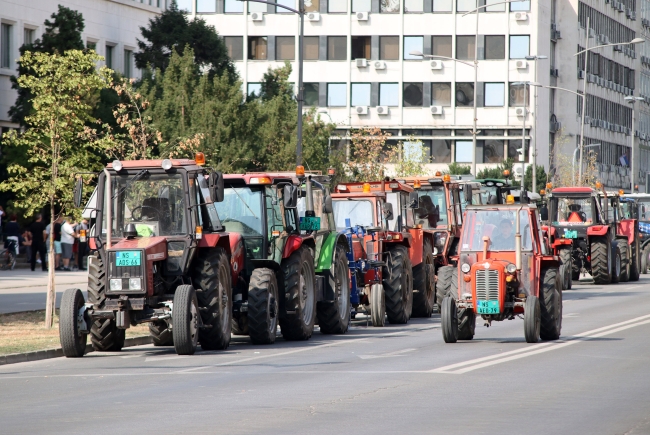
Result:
x=645 y=253
x=161 y=333
x=424 y=287
x=466 y=323
x=566 y=268
x=551 y=305
x=377 y=305
x=299 y=288
x=446 y=284
x=104 y=334
x=532 y=319
x=576 y=268
x=185 y=319
x=240 y=326
x=398 y=285
x=625 y=261
x=601 y=260
x=634 y=261
x=616 y=266
x=449 y=319
x=263 y=306
x=334 y=316
x=73 y=341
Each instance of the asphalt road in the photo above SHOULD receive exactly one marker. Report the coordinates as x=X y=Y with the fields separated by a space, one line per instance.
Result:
x=24 y=290
x=392 y=380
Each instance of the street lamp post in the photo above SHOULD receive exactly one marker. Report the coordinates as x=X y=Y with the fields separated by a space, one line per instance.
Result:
x=523 y=132
x=533 y=144
x=632 y=100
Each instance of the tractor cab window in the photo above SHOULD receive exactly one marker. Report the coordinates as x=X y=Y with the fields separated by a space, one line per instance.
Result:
x=499 y=226
x=319 y=198
x=241 y=212
x=154 y=203
x=359 y=212
x=432 y=210
x=573 y=211
x=273 y=210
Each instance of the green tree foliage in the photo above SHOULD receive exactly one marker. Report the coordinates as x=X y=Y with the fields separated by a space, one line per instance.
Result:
x=409 y=157
x=171 y=31
x=497 y=172
x=458 y=169
x=541 y=178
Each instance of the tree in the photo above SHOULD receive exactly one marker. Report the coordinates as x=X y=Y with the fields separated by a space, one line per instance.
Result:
x=410 y=157
x=171 y=31
x=541 y=178
x=458 y=169
x=367 y=162
x=56 y=139
x=497 y=172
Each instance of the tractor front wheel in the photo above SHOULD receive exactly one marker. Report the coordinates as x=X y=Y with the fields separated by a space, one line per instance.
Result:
x=449 y=320
x=634 y=261
x=185 y=320
x=466 y=323
x=616 y=266
x=566 y=268
x=625 y=261
x=297 y=323
x=377 y=305
x=551 y=305
x=601 y=260
x=334 y=316
x=263 y=306
x=645 y=253
x=447 y=283
x=73 y=340
x=424 y=290
x=532 y=319
x=398 y=285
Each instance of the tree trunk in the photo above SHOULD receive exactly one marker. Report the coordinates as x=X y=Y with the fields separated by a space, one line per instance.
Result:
x=51 y=294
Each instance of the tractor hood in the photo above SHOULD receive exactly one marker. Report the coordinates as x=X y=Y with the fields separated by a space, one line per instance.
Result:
x=155 y=247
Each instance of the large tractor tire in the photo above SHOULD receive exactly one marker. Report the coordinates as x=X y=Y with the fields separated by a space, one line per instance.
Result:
x=104 y=334
x=634 y=261
x=213 y=283
x=645 y=253
x=424 y=287
x=466 y=323
x=73 y=341
x=377 y=305
x=334 y=316
x=566 y=268
x=532 y=319
x=398 y=285
x=299 y=288
x=263 y=306
x=616 y=267
x=447 y=284
x=601 y=260
x=551 y=305
x=625 y=261
x=161 y=333
x=449 y=319
x=185 y=319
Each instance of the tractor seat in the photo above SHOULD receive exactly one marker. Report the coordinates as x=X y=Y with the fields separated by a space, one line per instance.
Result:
x=157 y=209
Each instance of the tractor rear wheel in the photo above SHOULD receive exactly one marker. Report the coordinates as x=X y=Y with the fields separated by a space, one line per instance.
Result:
x=532 y=319
x=104 y=334
x=398 y=285
x=161 y=333
x=449 y=320
x=645 y=253
x=634 y=261
x=300 y=295
x=446 y=284
x=566 y=268
x=334 y=316
x=625 y=261
x=263 y=306
x=73 y=341
x=377 y=305
x=424 y=288
x=185 y=319
x=616 y=267
x=576 y=268
x=601 y=260
x=466 y=323
x=551 y=305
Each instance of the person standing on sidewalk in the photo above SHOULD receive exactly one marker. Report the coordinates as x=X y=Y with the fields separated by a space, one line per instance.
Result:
x=82 y=231
x=2 y=213
x=12 y=233
x=39 y=238
x=68 y=235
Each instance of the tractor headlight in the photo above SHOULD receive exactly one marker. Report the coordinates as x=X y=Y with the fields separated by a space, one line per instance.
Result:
x=135 y=284
x=116 y=284
x=511 y=268
x=465 y=268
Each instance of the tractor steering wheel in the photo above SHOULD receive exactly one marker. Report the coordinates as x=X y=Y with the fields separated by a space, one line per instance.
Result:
x=140 y=207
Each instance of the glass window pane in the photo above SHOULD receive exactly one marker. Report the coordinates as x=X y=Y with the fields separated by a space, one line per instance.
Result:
x=495 y=94
x=312 y=5
x=519 y=46
x=254 y=89
x=442 y=5
x=235 y=47
x=337 y=6
x=464 y=94
x=389 y=6
x=5 y=46
x=360 y=94
x=520 y=6
x=336 y=48
x=184 y=5
x=310 y=45
x=465 y=47
x=285 y=48
x=311 y=94
x=128 y=61
x=412 y=94
x=289 y=3
x=206 y=6
x=441 y=149
x=388 y=94
x=441 y=46
x=516 y=96
x=493 y=151
x=109 y=56
x=360 y=47
x=413 y=6
x=336 y=95
x=257 y=47
x=496 y=8
x=465 y=5
x=234 y=6
x=361 y=5
x=495 y=47
x=464 y=151
x=28 y=37
x=254 y=7
x=389 y=47
x=441 y=94
x=413 y=43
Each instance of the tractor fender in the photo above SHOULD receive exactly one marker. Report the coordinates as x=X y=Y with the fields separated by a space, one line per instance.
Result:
x=294 y=242
x=269 y=264
x=233 y=244
x=558 y=243
x=597 y=230
x=327 y=255
x=627 y=229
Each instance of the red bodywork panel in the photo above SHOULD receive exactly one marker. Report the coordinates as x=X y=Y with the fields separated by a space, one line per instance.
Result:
x=626 y=228
x=155 y=249
x=293 y=243
x=597 y=230
x=272 y=175
x=416 y=246
x=573 y=190
x=234 y=246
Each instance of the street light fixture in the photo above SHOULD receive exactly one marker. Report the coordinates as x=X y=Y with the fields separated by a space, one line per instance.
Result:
x=632 y=100
x=533 y=144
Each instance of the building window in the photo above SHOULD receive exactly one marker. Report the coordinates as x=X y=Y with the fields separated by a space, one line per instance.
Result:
x=413 y=43
x=310 y=46
x=288 y=3
x=206 y=6
x=465 y=5
x=254 y=6
x=257 y=47
x=517 y=94
x=312 y=5
x=28 y=35
x=441 y=46
x=496 y=8
x=413 y=6
x=337 y=6
x=336 y=95
x=520 y=6
x=389 y=94
x=109 y=56
x=254 y=90
x=495 y=94
x=442 y=5
x=495 y=47
x=412 y=95
x=519 y=46
x=5 y=45
x=441 y=94
x=441 y=148
x=465 y=47
x=311 y=94
x=361 y=5
x=235 y=6
x=235 y=47
x=285 y=48
x=184 y=5
x=389 y=6
x=464 y=151
x=336 y=48
x=464 y=94
x=360 y=94
x=90 y=45
x=128 y=61
x=360 y=47
x=389 y=47
x=493 y=148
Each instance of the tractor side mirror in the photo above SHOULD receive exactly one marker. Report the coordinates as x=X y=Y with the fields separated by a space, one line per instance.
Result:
x=414 y=200
x=467 y=193
x=216 y=186
x=387 y=210
x=290 y=196
x=78 y=192
x=543 y=212
x=327 y=205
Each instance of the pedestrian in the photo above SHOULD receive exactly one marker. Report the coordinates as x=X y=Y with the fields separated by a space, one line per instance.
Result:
x=12 y=233
x=68 y=235
x=82 y=250
x=27 y=243
x=55 y=227
x=39 y=238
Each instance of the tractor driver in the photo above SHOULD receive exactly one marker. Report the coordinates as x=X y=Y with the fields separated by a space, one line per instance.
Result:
x=504 y=240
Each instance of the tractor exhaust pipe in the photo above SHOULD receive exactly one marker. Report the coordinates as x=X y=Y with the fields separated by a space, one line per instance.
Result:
x=309 y=209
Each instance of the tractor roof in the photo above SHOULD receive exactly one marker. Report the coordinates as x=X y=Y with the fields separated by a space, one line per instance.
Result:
x=500 y=207
x=261 y=178
x=374 y=187
x=640 y=196
x=152 y=164
x=571 y=190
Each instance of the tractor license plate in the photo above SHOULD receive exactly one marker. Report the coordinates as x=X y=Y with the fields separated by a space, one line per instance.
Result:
x=571 y=234
x=487 y=307
x=309 y=223
x=127 y=258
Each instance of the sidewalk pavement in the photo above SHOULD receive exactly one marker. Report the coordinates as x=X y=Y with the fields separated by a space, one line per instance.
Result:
x=24 y=290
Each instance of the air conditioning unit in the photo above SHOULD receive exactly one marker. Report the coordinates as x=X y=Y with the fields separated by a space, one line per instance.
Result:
x=605 y=39
x=553 y=26
x=621 y=7
x=601 y=123
x=436 y=64
x=590 y=78
x=581 y=75
x=361 y=110
x=362 y=16
x=558 y=35
x=379 y=64
x=618 y=48
x=522 y=64
x=383 y=110
x=521 y=16
x=313 y=16
x=362 y=63
x=257 y=16
x=627 y=12
x=436 y=110
x=592 y=33
x=520 y=111
x=633 y=15
x=587 y=119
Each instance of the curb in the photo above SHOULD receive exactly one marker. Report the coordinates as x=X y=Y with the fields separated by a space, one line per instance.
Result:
x=57 y=353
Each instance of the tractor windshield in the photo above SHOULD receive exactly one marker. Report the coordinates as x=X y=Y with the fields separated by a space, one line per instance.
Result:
x=499 y=226
x=241 y=210
x=432 y=211
x=359 y=212
x=573 y=211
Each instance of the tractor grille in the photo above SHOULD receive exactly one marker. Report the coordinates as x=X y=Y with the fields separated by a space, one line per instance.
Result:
x=487 y=285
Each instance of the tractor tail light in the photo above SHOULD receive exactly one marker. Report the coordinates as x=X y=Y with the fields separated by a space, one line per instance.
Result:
x=199 y=232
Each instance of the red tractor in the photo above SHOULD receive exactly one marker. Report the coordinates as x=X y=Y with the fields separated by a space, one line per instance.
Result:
x=505 y=269
x=162 y=258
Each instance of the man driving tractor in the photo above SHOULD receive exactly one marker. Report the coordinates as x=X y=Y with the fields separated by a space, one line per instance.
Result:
x=504 y=240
